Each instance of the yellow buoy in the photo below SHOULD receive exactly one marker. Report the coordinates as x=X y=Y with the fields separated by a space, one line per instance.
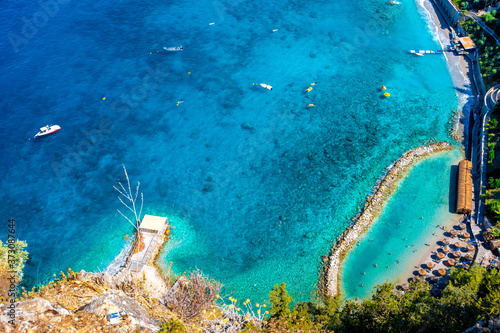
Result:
x=189 y=72
x=309 y=89
x=387 y=94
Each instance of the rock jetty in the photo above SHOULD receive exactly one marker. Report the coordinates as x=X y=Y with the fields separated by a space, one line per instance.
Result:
x=371 y=209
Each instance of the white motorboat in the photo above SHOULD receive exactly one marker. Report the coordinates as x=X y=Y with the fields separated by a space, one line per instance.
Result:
x=173 y=48
x=46 y=130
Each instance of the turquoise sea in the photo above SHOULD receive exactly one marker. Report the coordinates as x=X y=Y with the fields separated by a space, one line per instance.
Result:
x=257 y=185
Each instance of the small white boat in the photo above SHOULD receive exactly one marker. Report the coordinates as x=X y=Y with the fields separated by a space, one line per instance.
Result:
x=422 y=52
x=173 y=48
x=46 y=130
x=419 y=54
x=267 y=86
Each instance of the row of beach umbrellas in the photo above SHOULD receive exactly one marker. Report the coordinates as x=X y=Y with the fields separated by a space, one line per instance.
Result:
x=457 y=245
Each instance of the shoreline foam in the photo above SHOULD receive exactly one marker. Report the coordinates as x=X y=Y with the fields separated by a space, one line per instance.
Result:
x=457 y=65
x=371 y=210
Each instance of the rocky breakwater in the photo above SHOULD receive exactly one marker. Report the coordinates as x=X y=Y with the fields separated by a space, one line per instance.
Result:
x=372 y=208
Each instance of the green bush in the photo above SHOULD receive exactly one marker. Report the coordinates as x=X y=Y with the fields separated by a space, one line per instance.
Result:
x=493 y=123
x=280 y=301
x=493 y=183
x=491 y=152
x=173 y=325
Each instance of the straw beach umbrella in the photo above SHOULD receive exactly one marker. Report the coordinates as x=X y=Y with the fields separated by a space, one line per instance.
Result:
x=445 y=241
x=429 y=265
x=442 y=272
x=453 y=233
x=416 y=278
x=468 y=257
x=422 y=272
x=405 y=286
x=456 y=254
x=470 y=247
x=450 y=262
x=440 y=255
x=466 y=235
x=458 y=245
x=446 y=249
x=462 y=226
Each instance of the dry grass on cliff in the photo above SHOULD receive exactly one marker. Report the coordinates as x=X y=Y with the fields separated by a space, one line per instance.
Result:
x=72 y=293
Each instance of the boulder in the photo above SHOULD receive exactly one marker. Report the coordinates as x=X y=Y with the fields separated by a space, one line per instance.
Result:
x=112 y=301
x=28 y=313
x=492 y=325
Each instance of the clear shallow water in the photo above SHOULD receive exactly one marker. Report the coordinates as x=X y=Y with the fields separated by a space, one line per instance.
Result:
x=407 y=223
x=226 y=185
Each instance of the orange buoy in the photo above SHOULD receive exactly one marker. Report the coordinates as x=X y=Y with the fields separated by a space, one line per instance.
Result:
x=387 y=94
x=384 y=88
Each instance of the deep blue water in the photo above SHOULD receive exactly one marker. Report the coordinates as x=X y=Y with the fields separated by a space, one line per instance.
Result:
x=226 y=186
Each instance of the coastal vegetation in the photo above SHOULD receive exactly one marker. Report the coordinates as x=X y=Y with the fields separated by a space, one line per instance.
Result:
x=13 y=256
x=469 y=296
x=493 y=169
x=488 y=50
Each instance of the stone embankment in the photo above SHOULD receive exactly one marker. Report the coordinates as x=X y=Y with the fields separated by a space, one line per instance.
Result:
x=372 y=207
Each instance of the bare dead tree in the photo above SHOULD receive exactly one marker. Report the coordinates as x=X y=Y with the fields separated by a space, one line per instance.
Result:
x=130 y=203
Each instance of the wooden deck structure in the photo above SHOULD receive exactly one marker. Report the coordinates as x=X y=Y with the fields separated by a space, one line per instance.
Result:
x=151 y=231
x=464 y=195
